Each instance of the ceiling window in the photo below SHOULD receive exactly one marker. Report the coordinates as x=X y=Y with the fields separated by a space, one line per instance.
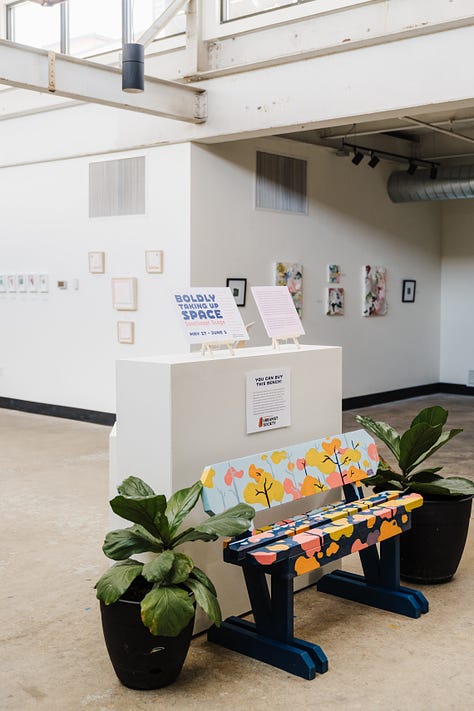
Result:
x=34 y=25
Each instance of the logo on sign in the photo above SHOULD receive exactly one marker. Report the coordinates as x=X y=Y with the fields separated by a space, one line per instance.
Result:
x=267 y=421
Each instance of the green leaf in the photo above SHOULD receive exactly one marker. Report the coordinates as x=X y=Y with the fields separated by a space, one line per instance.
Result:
x=167 y=611
x=415 y=442
x=146 y=510
x=229 y=523
x=206 y=600
x=387 y=434
x=431 y=416
x=180 y=504
x=443 y=439
x=450 y=486
x=158 y=569
x=117 y=579
x=202 y=577
x=125 y=542
x=181 y=569
x=133 y=486
x=426 y=475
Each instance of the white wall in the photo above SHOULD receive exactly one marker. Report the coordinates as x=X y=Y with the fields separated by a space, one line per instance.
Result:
x=457 y=289
x=352 y=222
x=61 y=347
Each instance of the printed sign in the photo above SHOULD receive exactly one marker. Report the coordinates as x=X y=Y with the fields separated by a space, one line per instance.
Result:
x=268 y=400
x=278 y=312
x=210 y=315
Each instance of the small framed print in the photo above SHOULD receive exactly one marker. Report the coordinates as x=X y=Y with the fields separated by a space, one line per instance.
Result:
x=12 y=283
x=3 y=283
x=126 y=331
x=124 y=293
x=96 y=262
x=32 y=282
x=408 y=291
x=238 y=287
x=22 y=282
x=44 y=283
x=154 y=261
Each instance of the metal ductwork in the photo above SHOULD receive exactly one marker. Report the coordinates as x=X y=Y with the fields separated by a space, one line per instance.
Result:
x=454 y=183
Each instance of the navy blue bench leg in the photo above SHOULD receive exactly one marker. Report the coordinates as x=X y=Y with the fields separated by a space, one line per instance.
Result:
x=380 y=585
x=270 y=639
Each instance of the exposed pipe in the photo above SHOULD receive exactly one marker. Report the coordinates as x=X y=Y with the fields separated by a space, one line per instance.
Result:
x=65 y=42
x=438 y=129
x=127 y=22
x=456 y=183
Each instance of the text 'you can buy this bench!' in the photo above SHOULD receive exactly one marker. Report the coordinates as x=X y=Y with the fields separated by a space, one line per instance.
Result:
x=306 y=542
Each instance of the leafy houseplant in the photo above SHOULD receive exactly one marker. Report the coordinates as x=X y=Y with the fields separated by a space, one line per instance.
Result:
x=164 y=590
x=432 y=548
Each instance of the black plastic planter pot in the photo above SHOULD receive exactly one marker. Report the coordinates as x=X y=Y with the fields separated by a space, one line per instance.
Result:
x=431 y=550
x=141 y=660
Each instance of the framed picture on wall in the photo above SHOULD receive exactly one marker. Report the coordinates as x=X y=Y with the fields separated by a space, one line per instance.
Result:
x=238 y=287
x=408 y=291
x=96 y=262
x=124 y=293
x=126 y=331
x=3 y=282
x=154 y=261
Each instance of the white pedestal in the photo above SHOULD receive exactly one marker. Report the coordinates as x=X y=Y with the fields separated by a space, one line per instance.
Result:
x=178 y=413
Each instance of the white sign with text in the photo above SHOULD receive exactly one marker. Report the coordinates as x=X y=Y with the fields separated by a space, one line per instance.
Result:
x=268 y=400
x=209 y=315
x=277 y=311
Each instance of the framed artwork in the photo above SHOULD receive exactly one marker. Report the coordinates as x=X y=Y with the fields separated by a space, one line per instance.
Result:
x=238 y=287
x=43 y=283
x=96 y=262
x=3 y=283
x=12 y=282
x=154 y=261
x=126 y=331
x=22 y=282
x=334 y=273
x=290 y=274
x=32 y=282
x=335 y=302
x=408 y=291
x=124 y=293
x=375 y=291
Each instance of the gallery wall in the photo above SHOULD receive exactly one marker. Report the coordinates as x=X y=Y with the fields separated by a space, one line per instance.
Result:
x=351 y=222
x=457 y=292
x=60 y=347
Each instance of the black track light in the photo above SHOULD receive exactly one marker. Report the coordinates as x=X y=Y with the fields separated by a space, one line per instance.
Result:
x=358 y=157
x=434 y=172
x=374 y=160
x=133 y=68
x=411 y=168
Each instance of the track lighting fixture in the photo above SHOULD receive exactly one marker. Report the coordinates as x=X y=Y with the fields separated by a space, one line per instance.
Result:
x=133 y=68
x=411 y=168
x=358 y=157
x=374 y=160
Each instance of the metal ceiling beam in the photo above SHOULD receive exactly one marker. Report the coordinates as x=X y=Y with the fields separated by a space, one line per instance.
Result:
x=438 y=129
x=160 y=23
x=78 y=79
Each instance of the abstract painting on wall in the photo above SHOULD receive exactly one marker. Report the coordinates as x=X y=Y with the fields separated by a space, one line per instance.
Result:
x=291 y=275
x=334 y=273
x=375 y=286
x=335 y=302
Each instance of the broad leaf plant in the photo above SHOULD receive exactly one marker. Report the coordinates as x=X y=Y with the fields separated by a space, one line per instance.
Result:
x=411 y=449
x=176 y=583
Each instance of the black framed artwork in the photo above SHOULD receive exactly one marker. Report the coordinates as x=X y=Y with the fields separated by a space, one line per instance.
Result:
x=408 y=291
x=238 y=287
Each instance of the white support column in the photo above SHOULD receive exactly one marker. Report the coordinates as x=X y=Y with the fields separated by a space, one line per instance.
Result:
x=38 y=70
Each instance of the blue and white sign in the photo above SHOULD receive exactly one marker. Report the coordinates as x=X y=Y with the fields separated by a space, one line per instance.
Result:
x=210 y=315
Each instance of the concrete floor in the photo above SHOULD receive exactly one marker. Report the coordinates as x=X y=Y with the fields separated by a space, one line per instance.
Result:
x=53 y=515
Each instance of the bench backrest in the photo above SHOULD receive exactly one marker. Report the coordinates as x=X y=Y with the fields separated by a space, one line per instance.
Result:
x=272 y=478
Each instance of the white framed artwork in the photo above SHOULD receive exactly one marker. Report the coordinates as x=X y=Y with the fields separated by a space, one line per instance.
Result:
x=12 y=282
x=32 y=282
x=3 y=283
x=96 y=262
x=22 y=282
x=124 y=293
x=126 y=331
x=43 y=283
x=154 y=261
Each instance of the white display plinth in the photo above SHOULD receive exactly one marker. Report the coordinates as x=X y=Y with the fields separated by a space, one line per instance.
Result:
x=178 y=413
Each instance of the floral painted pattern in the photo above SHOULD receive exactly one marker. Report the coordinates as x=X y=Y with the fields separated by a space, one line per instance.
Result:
x=275 y=477
x=291 y=275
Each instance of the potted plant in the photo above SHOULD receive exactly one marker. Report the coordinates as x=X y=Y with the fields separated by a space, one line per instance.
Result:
x=431 y=550
x=148 y=608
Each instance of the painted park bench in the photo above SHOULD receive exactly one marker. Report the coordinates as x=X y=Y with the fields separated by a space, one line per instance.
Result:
x=306 y=542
